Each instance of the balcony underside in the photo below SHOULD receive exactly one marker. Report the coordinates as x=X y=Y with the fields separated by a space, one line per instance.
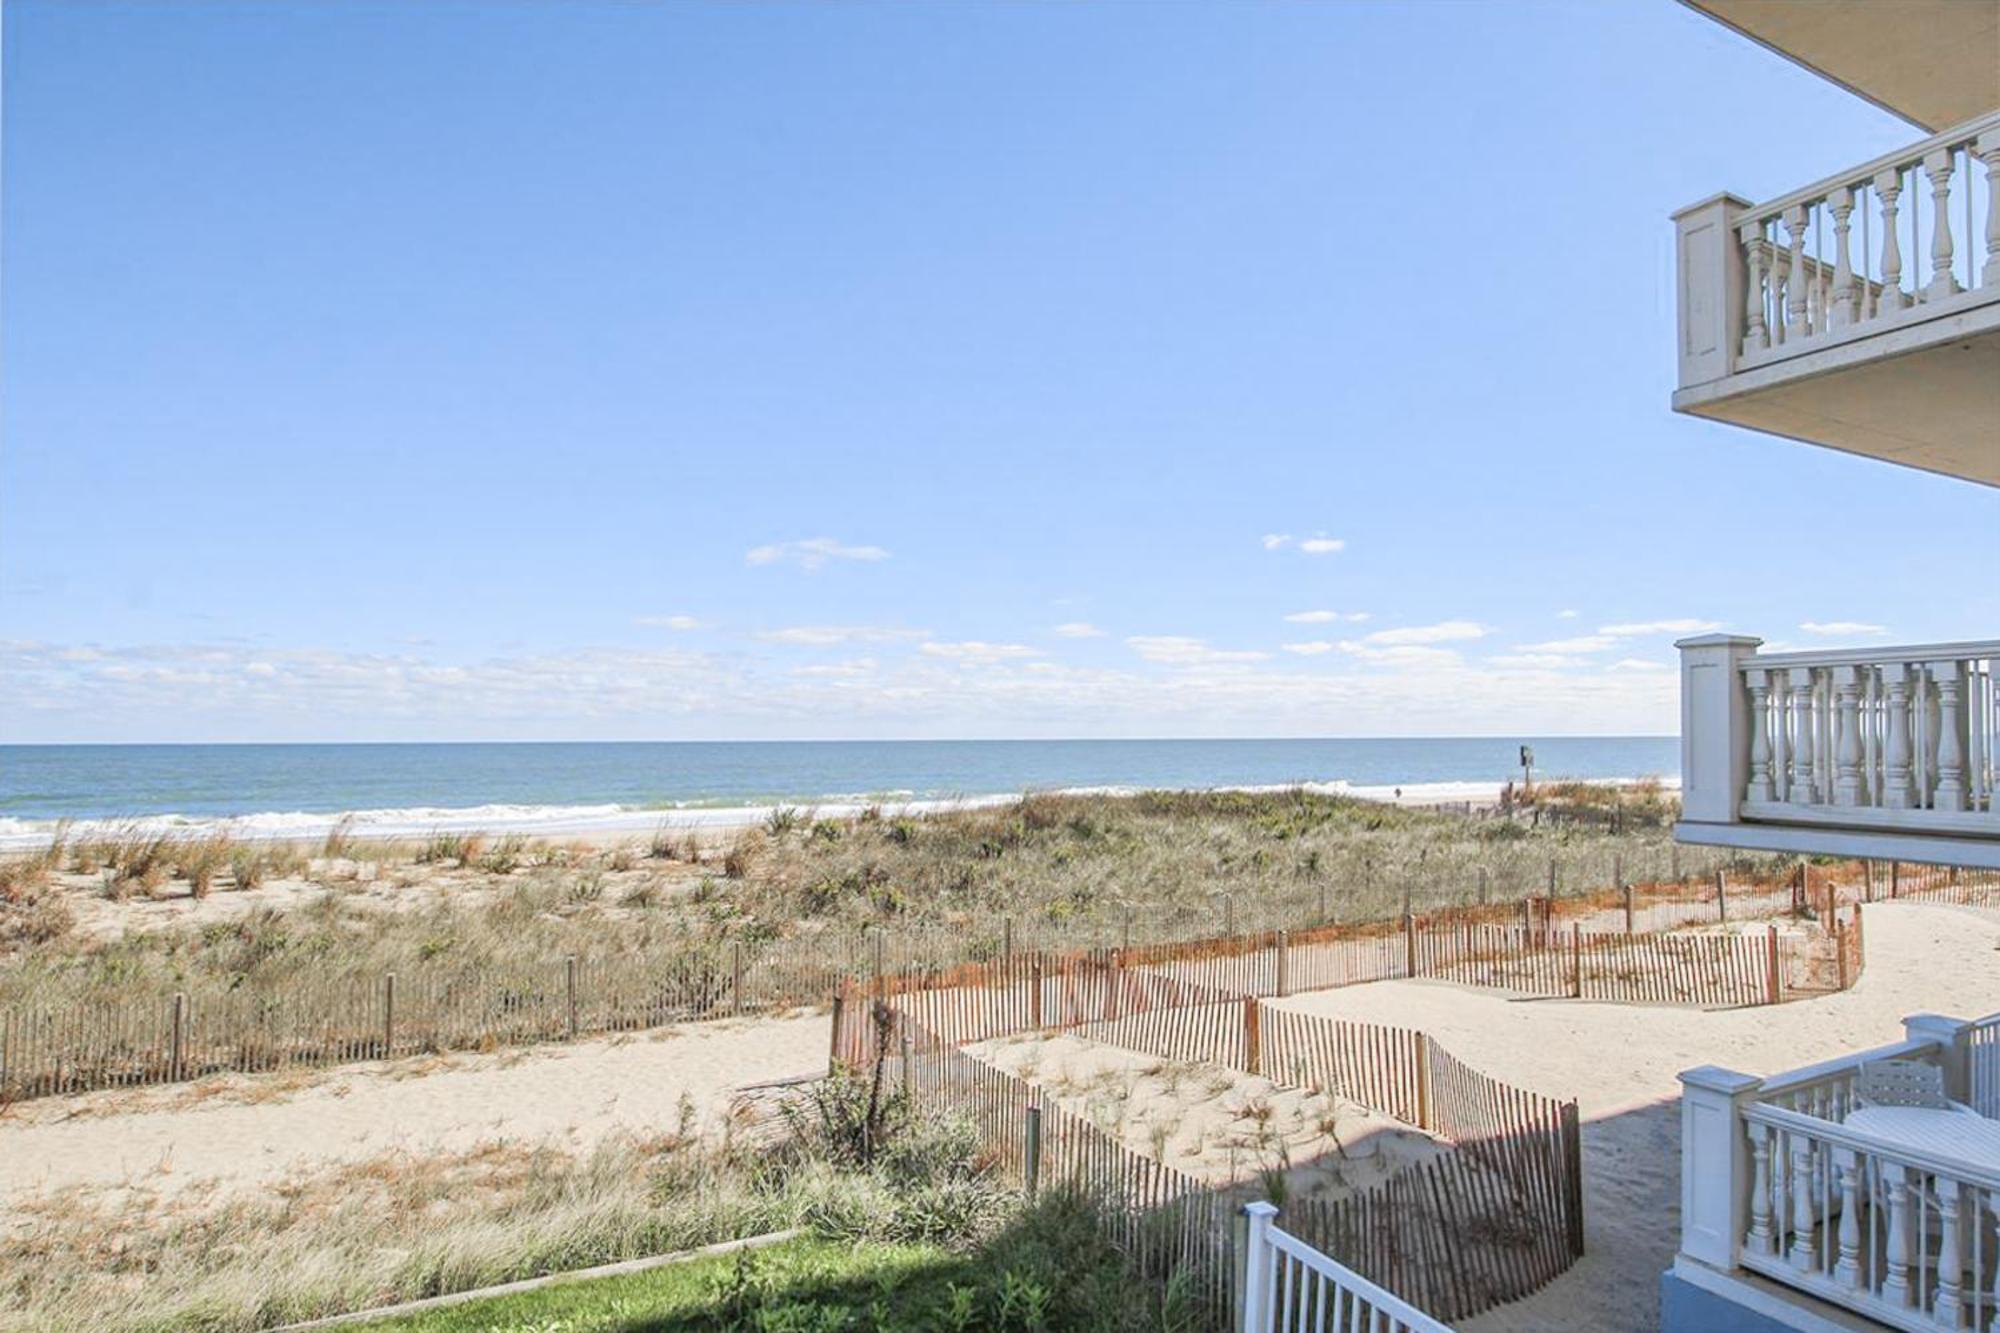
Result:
x=1925 y=395
x=1933 y=62
x=1828 y=839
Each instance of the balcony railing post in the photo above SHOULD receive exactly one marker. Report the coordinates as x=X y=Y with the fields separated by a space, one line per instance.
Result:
x=1954 y=1042
x=1711 y=287
x=1715 y=1163
x=1715 y=726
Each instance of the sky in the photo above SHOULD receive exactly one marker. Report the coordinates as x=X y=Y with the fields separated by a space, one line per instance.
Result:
x=611 y=371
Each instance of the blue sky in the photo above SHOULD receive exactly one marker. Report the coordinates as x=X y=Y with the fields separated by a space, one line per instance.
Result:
x=518 y=370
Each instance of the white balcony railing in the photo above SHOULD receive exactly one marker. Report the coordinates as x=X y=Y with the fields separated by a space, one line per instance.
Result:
x=1905 y=238
x=1775 y=1183
x=1901 y=740
x=1290 y=1287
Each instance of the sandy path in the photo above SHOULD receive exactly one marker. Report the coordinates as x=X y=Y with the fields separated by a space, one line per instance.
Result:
x=569 y=1095
x=1620 y=1061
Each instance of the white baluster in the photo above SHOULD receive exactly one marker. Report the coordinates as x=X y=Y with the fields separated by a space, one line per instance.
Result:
x=1889 y=184
x=1802 y=1202
x=1928 y=718
x=1987 y=146
x=1899 y=791
x=1847 y=1269
x=1896 y=1281
x=1803 y=791
x=1761 y=1241
x=1949 y=1306
x=1848 y=785
x=1841 y=204
x=1796 y=282
x=1937 y=166
x=1757 y=254
x=1759 y=682
x=1951 y=736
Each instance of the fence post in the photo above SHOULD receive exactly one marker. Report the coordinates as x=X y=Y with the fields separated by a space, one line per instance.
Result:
x=1528 y=920
x=1839 y=954
x=736 y=975
x=1252 y=1060
x=569 y=983
x=1895 y=879
x=1406 y=897
x=1031 y=1166
x=1284 y=978
x=1771 y=965
x=1256 y=1305
x=1239 y=1256
x=1576 y=960
x=1421 y=1045
x=1721 y=894
x=1868 y=881
x=177 y=1052
x=388 y=1015
x=909 y=1073
x=1409 y=945
x=839 y=1007
x=1035 y=993
x=1628 y=909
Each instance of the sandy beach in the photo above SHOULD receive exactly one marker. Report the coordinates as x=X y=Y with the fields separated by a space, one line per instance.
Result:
x=1620 y=1062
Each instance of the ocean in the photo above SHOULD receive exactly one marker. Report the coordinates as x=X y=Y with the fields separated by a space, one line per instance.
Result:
x=403 y=790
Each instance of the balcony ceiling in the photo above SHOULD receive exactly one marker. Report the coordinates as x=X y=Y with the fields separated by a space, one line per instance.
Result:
x=1934 y=62
x=1934 y=408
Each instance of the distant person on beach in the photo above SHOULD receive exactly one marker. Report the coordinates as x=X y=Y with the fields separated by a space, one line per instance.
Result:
x=1399 y=793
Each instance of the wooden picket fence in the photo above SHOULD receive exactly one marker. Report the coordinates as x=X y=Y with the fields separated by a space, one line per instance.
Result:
x=1492 y=1220
x=1537 y=946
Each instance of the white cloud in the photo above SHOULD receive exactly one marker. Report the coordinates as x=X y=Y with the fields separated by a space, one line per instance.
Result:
x=1078 y=629
x=855 y=668
x=1277 y=540
x=1638 y=664
x=215 y=691
x=824 y=636
x=1322 y=545
x=1537 y=661
x=1566 y=614
x=1661 y=627
x=1406 y=655
x=1324 y=617
x=1179 y=650
x=1312 y=649
x=1586 y=643
x=1445 y=631
x=667 y=622
x=1853 y=628
x=811 y=553
x=978 y=651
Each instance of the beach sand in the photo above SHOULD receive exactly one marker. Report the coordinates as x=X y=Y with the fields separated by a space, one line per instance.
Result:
x=1620 y=1061
x=243 y=1132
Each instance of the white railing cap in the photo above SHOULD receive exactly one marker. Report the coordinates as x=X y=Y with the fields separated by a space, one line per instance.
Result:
x=1912 y=652
x=1901 y=157
x=1736 y=202
x=1719 y=641
x=1714 y=1078
x=1260 y=1208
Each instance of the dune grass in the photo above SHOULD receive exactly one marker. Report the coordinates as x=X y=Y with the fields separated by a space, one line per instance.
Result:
x=1045 y=871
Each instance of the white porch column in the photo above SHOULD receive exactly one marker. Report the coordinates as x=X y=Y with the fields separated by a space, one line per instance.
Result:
x=1715 y=1164
x=1953 y=1036
x=1715 y=726
x=1711 y=287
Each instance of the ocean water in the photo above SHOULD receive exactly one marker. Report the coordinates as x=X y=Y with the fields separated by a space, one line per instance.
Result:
x=405 y=789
